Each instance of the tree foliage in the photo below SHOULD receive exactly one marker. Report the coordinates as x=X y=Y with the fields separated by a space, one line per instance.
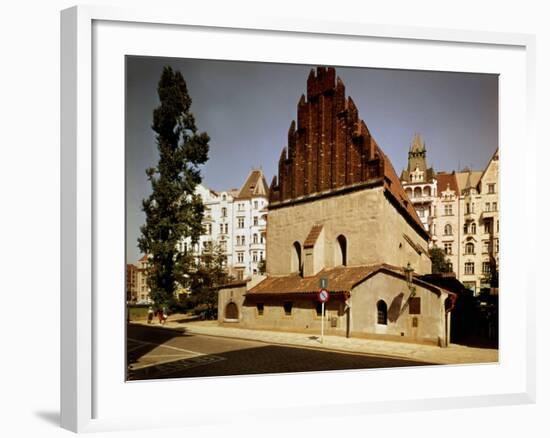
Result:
x=173 y=210
x=440 y=263
x=262 y=267
x=204 y=281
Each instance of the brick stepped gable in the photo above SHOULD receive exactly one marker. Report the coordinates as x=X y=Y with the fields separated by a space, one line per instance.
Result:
x=331 y=148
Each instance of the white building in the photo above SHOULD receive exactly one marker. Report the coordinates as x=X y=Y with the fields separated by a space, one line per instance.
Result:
x=460 y=210
x=236 y=220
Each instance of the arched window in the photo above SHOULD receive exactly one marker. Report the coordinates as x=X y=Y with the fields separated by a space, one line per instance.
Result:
x=341 y=256
x=473 y=228
x=409 y=193
x=448 y=230
x=417 y=192
x=296 y=257
x=469 y=248
x=426 y=191
x=381 y=313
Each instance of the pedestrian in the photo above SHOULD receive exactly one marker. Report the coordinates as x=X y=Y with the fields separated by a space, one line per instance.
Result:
x=159 y=315
x=164 y=315
x=150 y=314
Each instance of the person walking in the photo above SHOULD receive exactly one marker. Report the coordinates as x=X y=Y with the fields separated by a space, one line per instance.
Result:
x=150 y=314
x=159 y=315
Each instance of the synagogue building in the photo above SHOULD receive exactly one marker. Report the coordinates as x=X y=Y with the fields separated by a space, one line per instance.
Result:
x=338 y=215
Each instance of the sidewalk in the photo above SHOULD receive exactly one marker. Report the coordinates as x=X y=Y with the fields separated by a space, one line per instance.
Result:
x=454 y=354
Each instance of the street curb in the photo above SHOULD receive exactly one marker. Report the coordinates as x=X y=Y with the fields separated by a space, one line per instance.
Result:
x=156 y=327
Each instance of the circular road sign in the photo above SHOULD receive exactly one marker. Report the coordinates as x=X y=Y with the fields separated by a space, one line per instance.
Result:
x=323 y=295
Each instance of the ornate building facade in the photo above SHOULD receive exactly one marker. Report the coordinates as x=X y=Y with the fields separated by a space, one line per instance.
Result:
x=463 y=217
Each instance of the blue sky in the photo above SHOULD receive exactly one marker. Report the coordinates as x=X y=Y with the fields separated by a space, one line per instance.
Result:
x=247 y=108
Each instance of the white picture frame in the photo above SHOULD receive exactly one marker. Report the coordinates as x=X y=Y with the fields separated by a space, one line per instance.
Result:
x=93 y=398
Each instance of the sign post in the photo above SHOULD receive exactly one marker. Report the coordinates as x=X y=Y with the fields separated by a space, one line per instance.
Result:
x=323 y=296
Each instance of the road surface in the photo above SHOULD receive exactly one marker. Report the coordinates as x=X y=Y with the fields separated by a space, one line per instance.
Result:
x=156 y=353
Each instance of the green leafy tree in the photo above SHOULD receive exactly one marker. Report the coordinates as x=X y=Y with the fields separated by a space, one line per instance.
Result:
x=173 y=210
x=440 y=263
x=204 y=281
x=262 y=267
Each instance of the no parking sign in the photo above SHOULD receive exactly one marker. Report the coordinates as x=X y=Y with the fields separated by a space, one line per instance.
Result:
x=323 y=296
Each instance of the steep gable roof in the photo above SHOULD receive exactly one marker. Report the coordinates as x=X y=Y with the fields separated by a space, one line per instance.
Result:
x=255 y=185
x=446 y=181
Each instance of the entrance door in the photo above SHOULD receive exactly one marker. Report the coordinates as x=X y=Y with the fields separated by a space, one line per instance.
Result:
x=231 y=311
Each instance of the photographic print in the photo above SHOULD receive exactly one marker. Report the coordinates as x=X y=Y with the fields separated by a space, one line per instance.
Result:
x=296 y=218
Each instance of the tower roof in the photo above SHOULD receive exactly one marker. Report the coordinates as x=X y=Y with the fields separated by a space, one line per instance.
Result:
x=417 y=144
x=255 y=185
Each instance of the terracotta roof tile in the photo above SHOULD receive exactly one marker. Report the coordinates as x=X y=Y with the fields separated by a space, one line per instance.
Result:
x=446 y=180
x=396 y=189
x=340 y=279
x=255 y=185
x=313 y=235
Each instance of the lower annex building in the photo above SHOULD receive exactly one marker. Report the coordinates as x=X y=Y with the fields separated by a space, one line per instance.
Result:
x=337 y=212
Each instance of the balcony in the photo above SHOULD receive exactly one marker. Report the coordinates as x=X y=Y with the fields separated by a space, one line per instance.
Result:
x=489 y=214
x=422 y=199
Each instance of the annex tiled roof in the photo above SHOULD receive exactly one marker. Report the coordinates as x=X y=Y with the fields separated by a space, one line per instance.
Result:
x=340 y=279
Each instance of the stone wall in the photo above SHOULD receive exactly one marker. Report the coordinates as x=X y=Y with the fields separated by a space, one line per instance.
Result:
x=373 y=229
x=394 y=292
x=231 y=294
x=303 y=317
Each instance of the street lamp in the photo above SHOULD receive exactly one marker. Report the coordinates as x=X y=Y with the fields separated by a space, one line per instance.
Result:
x=409 y=276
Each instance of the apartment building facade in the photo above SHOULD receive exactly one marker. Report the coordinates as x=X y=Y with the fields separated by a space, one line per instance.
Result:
x=235 y=220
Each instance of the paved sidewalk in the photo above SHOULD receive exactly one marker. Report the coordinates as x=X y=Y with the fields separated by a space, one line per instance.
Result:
x=454 y=354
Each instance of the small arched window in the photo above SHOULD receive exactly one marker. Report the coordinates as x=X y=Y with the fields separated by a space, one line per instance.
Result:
x=473 y=228
x=469 y=248
x=448 y=230
x=381 y=313
x=296 y=257
x=426 y=191
x=417 y=192
x=341 y=251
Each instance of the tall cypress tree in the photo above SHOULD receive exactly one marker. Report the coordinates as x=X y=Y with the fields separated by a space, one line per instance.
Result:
x=173 y=210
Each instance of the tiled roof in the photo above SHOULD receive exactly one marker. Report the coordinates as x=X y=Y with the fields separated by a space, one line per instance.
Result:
x=143 y=259
x=446 y=180
x=312 y=236
x=255 y=185
x=462 y=178
x=340 y=279
x=396 y=189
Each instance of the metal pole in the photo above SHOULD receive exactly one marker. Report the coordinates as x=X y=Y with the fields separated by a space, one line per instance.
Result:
x=322 y=320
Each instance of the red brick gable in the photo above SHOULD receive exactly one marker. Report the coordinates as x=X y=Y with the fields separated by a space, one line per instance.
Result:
x=330 y=148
